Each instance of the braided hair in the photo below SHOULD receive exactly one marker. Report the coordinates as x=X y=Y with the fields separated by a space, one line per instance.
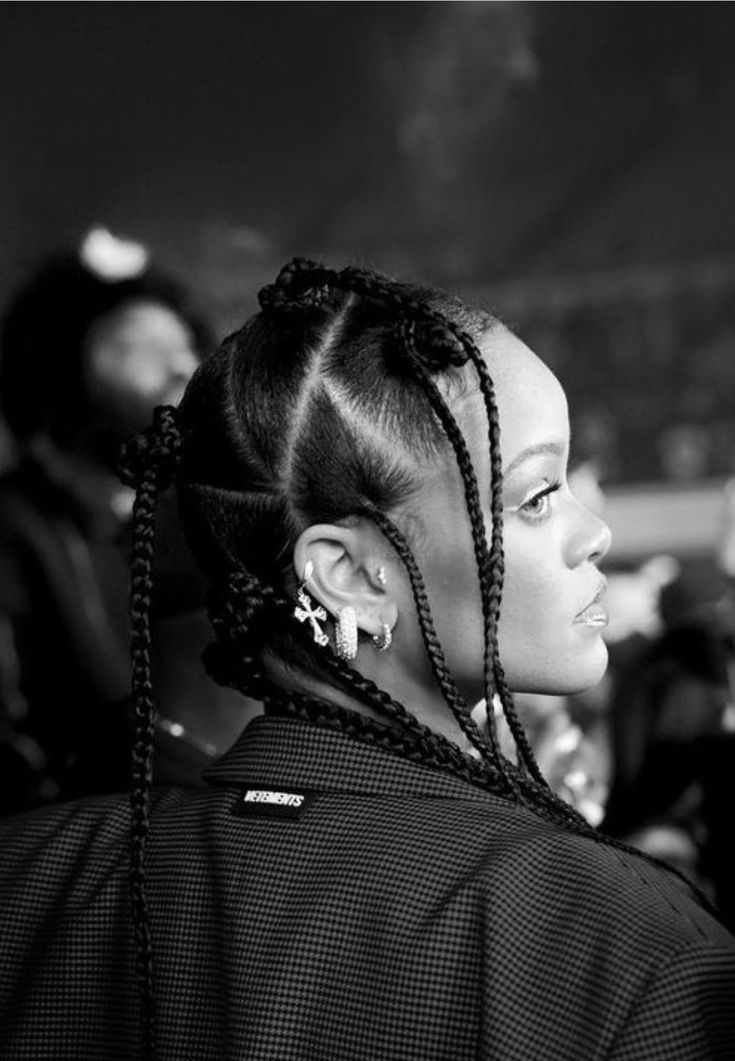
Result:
x=319 y=410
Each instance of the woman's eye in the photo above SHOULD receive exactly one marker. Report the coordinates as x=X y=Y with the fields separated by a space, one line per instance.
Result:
x=538 y=507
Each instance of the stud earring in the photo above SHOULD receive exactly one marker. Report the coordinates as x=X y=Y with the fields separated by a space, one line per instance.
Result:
x=306 y=612
x=380 y=577
x=384 y=639
x=346 y=633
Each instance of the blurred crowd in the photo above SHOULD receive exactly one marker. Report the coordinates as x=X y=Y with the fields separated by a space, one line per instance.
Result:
x=648 y=754
x=92 y=341
x=89 y=345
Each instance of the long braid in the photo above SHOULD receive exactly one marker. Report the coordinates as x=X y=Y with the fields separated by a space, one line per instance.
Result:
x=148 y=463
x=353 y=280
x=302 y=277
x=491 y=585
x=442 y=674
x=474 y=507
x=496 y=490
x=241 y=613
x=426 y=749
x=438 y=750
x=140 y=647
x=302 y=283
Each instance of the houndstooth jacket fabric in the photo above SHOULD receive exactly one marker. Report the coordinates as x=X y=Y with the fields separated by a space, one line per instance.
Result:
x=324 y=899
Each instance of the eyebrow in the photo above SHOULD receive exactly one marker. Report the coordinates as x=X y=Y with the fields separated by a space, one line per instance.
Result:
x=540 y=449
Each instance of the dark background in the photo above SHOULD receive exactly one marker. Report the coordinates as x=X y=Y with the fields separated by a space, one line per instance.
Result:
x=572 y=165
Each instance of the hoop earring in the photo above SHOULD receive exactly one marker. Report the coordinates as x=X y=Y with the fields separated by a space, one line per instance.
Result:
x=346 y=633
x=384 y=639
x=305 y=611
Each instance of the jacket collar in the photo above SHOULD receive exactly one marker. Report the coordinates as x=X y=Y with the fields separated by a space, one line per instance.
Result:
x=276 y=751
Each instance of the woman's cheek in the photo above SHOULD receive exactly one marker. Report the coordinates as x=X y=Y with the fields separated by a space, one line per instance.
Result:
x=531 y=615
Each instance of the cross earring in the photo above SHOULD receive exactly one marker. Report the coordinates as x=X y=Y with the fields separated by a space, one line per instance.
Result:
x=307 y=612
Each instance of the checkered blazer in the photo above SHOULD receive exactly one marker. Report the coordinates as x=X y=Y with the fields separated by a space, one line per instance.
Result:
x=324 y=899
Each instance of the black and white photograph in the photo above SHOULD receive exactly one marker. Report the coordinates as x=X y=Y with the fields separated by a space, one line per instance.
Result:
x=367 y=531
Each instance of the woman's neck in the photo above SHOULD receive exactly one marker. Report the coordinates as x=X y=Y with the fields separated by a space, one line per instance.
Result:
x=421 y=698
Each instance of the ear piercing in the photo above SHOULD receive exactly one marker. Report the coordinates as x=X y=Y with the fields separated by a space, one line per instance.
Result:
x=346 y=634
x=383 y=640
x=345 y=630
x=305 y=611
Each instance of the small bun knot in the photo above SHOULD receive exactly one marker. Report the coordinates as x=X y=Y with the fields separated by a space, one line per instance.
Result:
x=155 y=451
x=302 y=284
x=431 y=343
x=242 y=610
x=241 y=607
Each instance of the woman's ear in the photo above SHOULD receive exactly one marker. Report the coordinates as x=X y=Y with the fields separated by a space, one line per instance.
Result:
x=349 y=568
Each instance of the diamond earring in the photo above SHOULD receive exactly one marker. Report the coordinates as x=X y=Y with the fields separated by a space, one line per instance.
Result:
x=306 y=612
x=384 y=639
x=346 y=633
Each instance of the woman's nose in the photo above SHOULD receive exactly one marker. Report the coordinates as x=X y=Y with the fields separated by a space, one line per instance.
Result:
x=591 y=538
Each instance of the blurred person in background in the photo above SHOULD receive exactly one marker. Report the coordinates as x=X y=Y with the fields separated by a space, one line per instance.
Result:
x=672 y=718
x=93 y=341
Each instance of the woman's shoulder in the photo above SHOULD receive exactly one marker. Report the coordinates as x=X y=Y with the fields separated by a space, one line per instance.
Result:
x=584 y=880
x=75 y=845
x=66 y=853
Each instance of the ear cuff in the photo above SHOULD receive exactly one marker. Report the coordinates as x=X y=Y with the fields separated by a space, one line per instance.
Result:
x=384 y=639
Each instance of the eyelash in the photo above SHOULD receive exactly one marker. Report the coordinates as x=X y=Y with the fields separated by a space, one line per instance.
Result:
x=530 y=516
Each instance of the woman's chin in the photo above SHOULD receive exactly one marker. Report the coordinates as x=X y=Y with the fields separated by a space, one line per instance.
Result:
x=574 y=675
x=589 y=673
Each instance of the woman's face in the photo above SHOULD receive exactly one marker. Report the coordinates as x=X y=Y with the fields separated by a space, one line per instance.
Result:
x=139 y=356
x=550 y=619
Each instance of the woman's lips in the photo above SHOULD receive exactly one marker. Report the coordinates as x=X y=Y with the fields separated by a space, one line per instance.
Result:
x=594 y=614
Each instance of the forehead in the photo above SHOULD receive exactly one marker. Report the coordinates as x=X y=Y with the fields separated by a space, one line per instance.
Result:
x=532 y=406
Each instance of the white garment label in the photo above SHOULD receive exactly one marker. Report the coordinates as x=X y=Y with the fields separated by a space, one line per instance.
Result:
x=264 y=802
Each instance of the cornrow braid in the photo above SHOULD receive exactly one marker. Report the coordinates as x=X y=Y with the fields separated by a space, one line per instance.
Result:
x=442 y=343
x=439 y=348
x=447 y=337
x=468 y=351
x=456 y=347
x=444 y=338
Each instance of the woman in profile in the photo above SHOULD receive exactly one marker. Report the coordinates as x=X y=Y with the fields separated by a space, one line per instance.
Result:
x=373 y=478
